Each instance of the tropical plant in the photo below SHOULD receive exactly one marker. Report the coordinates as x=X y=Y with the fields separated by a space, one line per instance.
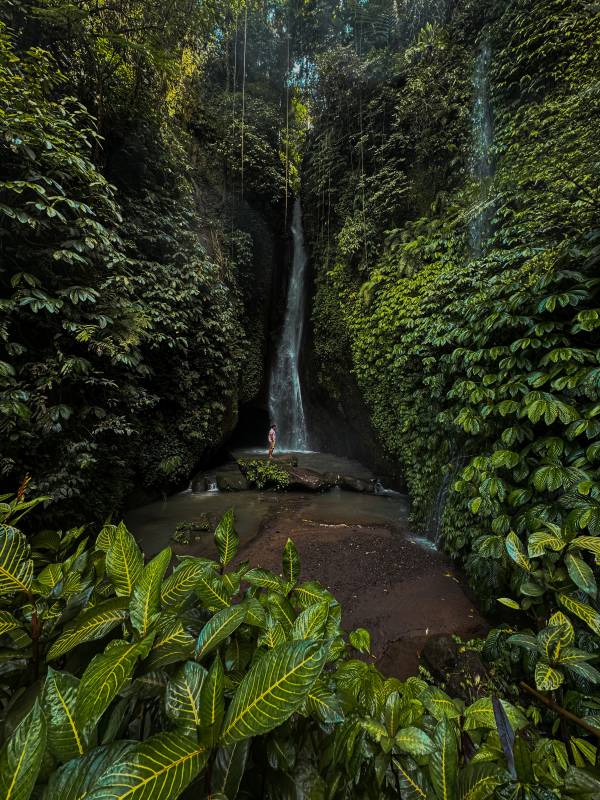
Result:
x=264 y=474
x=121 y=680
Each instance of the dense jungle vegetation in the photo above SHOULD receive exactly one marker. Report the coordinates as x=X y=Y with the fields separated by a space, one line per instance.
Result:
x=446 y=152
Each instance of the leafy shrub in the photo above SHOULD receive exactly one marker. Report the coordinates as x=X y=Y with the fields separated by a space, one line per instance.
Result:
x=265 y=474
x=119 y=679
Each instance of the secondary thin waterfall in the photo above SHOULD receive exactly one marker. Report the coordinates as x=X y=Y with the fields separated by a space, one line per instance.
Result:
x=482 y=167
x=285 y=393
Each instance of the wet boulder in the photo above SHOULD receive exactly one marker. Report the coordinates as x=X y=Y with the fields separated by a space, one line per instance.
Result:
x=353 y=484
x=307 y=479
x=231 y=482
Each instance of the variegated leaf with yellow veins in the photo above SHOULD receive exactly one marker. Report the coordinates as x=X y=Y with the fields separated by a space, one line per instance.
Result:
x=92 y=624
x=547 y=677
x=145 y=600
x=226 y=538
x=586 y=613
x=124 y=562
x=514 y=548
x=273 y=689
x=66 y=738
x=105 y=675
x=160 y=768
x=16 y=568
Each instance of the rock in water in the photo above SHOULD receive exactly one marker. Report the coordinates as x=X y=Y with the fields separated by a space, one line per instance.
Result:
x=231 y=482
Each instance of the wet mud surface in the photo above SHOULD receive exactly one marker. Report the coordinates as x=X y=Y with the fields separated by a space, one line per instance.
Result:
x=360 y=547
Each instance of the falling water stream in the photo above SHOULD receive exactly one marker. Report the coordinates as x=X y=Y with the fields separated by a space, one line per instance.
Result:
x=482 y=167
x=285 y=393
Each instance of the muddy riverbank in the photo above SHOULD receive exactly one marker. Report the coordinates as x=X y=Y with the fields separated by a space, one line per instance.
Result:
x=359 y=546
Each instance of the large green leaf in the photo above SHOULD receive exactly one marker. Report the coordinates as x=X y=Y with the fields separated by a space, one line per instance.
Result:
x=591 y=543
x=16 y=568
x=66 y=739
x=413 y=741
x=145 y=600
x=310 y=592
x=124 y=562
x=182 y=698
x=443 y=763
x=310 y=623
x=580 y=573
x=212 y=701
x=480 y=714
x=218 y=628
x=158 y=769
x=273 y=689
x=547 y=677
x=74 y=779
x=264 y=579
x=182 y=581
x=92 y=624
x=228 y=769
x=273 y=635
x=439 y=704
x=411 y=780
x=213 y=592
x=325 y=705
x=552 y=639
x=291 y=563
x=105 y=676
x=391 y=712
x=21 y=756
x=172 y=643
x=514 y=548
x=589 y=615
x=226 y=538
x=479 y=781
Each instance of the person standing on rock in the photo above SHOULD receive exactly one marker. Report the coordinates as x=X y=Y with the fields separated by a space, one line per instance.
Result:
x=272 y=439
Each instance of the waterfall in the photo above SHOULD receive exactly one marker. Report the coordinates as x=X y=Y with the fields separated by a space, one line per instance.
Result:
x=482 y=168
x=285 y=392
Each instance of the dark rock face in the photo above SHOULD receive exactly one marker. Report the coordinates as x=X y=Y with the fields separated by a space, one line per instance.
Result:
x=453 y=665
x=231 y=482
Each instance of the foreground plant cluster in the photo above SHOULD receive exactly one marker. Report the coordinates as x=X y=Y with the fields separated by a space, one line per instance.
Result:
x=124 y=678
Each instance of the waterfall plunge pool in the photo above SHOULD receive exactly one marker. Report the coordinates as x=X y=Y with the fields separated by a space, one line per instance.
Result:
x=360 y=546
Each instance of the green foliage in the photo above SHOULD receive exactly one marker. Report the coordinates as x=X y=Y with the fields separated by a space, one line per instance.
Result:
x=134 y=297
x=264 y=474
x=480 y=368
x=121 y=680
